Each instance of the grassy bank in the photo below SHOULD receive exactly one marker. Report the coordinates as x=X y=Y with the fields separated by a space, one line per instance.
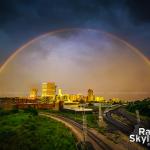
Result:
x=142 y=106
x=26 y=131
x=92 y=122
x=77 y=116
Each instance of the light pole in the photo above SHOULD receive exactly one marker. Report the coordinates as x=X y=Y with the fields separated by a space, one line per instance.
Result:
x=138 y=117
x=84 y=129
x=100 y=116
x=75 y=114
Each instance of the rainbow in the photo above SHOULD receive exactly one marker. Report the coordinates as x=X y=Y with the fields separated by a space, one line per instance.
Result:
x=11 y=57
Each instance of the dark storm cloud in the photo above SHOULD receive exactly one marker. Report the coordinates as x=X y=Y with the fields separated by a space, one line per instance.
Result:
x=21 y=20
x=11 y=10
x=140 y=9
x=76 y=60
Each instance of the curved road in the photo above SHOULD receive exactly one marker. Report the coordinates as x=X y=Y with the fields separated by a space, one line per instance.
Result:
x=127 y=129
x=92 y=138
x=121 y=126
x=133 y=120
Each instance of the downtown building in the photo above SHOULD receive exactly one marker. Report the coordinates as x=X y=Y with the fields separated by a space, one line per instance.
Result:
x=49 y=90
x=33 y=94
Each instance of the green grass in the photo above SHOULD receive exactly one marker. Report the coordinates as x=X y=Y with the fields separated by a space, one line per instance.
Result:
x=143 y=107
x=134 y=114
x=91 y=119
x=23 y=131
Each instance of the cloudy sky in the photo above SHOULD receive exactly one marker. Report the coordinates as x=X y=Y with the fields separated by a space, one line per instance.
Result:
x=76 y=59
x=22 y=20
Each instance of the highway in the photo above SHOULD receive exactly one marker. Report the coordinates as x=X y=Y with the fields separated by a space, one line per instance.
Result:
x=121 y=126
x=127 y=129
x=92 y=138
x=133 y=120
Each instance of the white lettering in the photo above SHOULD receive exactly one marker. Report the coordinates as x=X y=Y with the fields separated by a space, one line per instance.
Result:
x=138 y=139
x=147 y=132
x=132 y=138
x=143 y=139
x=141 y=131
x=148 y=138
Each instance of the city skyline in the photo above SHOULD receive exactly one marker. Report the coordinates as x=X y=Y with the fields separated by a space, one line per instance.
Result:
x=78 y=59
x=102 y=45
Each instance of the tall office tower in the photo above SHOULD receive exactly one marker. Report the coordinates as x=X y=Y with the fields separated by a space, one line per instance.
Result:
x=59 y=92
x=33 y=93
x=91 y=96
x=48 y=89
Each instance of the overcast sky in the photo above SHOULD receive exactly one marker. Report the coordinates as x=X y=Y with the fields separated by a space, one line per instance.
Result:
x=78 y=60
x=22 y=20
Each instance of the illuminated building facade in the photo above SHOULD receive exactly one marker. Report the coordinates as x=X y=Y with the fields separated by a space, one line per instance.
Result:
x=60 y=92
x=48 y=89
x=33 y=94
x=73 y=97
x=48 y=95
x=79 y=97
x=90 y=96
x=66 y=98
x=99 y=99
x=115 y=100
